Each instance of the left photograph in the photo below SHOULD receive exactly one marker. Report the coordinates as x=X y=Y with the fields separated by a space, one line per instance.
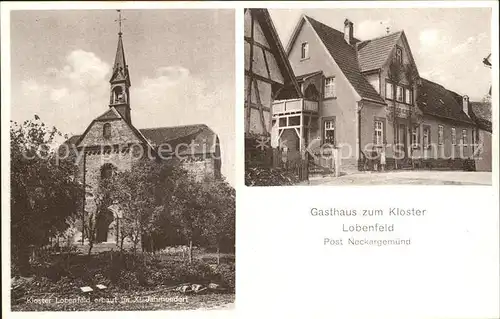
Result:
x=122 y=159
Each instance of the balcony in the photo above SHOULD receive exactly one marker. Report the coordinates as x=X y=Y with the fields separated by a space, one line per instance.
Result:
x=294 y=106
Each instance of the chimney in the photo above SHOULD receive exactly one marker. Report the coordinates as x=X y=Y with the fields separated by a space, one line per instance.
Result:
x=348 y=31
x=465 y=104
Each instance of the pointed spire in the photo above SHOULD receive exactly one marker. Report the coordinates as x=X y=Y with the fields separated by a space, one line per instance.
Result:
x=120 y=67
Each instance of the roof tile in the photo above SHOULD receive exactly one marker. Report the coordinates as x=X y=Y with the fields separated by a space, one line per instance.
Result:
x=429 y=101
x=346 y=58
x=372 y=54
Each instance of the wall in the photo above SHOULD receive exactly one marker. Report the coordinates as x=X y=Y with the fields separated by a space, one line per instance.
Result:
x=343 y=107
x=447 y=150
x=201 y=168
x=121 y=133
x=374 y=80
x=263 y=65
x=384 y=76
x=369 y=113
x=484 y=162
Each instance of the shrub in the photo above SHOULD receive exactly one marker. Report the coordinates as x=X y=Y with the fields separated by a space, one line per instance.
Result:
x=225 y=275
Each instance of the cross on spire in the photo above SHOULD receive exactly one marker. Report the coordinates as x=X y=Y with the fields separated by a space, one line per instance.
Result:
x=119 y=20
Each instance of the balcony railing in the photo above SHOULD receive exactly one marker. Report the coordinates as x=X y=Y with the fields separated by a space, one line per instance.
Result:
x=294 y=105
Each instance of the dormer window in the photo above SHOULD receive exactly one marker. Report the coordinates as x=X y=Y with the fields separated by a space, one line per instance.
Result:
x=304 y=51
x=106 y=130
x=399 y=55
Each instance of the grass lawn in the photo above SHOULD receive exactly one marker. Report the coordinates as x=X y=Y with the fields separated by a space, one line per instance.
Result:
x=133 y=281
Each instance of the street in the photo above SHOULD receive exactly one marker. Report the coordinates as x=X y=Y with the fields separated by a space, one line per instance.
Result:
x=405 y=178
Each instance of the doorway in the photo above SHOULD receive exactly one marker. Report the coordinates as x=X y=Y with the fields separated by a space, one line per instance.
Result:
x=402 y=140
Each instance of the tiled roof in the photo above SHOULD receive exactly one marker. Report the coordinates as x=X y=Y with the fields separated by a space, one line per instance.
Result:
x=303 y=76
x=203 y=137
x=346 y=58
x=372 y=54
x=481 y=110
x=481 y=114
x=433 y=99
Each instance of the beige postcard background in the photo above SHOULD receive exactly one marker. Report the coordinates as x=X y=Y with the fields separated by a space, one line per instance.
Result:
x=283 y=270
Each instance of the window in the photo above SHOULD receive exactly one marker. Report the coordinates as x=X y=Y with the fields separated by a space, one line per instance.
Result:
x=329 y=132
x=329 y=87
x=399 y=55
x=464 y=137
x=107 y=170
x=473 y=139
x=305 y=51
x=453 y=136
x=388 y=90
x=414 y=136
x=408 y=95
x=311 y=93
x=379 y=132
x=106 y=130
x=118 y=95
x=440 y=134
x=427 y=137
x=399 y=93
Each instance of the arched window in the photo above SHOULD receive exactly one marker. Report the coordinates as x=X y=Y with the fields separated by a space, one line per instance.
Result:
x=311 y=93
x=106 y=130
x=118 y=95
x=107 y=170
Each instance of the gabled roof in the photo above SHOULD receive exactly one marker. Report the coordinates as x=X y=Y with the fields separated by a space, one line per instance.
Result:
x=267 y=26
x=433 y=99
x=372 y=54
x=307 y=75
x=111 y=114
x=346 y=58
x=481 y=114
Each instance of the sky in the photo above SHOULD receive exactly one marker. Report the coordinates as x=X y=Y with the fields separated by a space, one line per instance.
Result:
x=448 y=44
x=181 y=65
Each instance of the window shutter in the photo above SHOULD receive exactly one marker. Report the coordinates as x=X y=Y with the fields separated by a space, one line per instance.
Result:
x=374 y=131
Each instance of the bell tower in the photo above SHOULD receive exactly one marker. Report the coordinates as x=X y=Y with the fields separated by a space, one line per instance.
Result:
x=120 y=79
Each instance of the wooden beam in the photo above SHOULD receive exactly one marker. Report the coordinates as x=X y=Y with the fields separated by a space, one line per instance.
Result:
x=257 y=106
x=250 y=80
x=261 y=111
x=260 y=45
x=267 y=66
x=278 y=91
x=260 y=77
x=280 y=133
x=297 y=131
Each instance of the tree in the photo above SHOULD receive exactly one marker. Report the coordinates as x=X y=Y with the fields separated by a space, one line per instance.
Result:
x=188 y=207
x=219 y=219
x=145 y=197
x=44 y=189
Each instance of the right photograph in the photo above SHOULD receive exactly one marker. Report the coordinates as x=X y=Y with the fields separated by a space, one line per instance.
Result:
x=368 y=96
